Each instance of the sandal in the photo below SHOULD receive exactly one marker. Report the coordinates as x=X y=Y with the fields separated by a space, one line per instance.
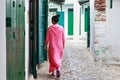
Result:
x=53 y=74
x=57 y=73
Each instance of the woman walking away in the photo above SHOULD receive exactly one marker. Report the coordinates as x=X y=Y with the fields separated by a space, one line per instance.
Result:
x=55 y=40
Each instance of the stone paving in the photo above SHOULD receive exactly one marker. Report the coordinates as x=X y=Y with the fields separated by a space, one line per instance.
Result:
x=77 y=65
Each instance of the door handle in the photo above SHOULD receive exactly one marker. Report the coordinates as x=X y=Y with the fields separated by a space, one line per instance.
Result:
x=19 y=5
x=13 y=35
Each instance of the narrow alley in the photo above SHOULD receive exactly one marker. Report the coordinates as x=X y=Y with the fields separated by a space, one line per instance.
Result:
x=95 y=24
x=77 y=65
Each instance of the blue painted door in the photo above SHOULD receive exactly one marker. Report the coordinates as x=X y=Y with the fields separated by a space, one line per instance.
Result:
x=42 y=24
x=61 y=19
x=38 y=23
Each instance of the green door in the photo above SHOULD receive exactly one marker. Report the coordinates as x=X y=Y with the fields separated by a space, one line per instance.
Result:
x=21 y=39
x=42 y=24
x=15 y=40
x=86 y=19
x=87 y=24
x=10 y=40
x=33 y=38
x=70 y=21
x=38 y=23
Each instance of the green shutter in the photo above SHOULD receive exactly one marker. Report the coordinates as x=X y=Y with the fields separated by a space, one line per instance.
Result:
x=86 y=19
x=70 y=21
x=111 y=4
x=87 y=24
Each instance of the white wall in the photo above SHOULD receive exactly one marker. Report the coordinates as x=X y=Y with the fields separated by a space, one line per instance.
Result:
x=113 y=29
x=2 y=40
x=69 y=1
x=26 y=38
x=76 y=20
x=82 y=21
x=92 y=20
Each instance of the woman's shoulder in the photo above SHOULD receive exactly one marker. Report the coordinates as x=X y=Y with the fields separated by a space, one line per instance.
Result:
x=60 y=27
x=51 y=26
x=55 y=26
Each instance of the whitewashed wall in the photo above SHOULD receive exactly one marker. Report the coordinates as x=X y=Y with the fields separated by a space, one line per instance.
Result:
x=82 y=21
x=99 y=29
x=26 y=39
x=76 y=20
x=106 y=32
x=92 y=20
x=2 y=40
x=69 y=1
x=113 y=31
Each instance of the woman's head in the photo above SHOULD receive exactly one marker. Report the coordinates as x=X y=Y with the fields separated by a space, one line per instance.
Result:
x=55 y=19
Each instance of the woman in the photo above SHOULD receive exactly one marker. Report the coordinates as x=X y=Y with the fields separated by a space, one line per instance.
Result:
x=55 y=40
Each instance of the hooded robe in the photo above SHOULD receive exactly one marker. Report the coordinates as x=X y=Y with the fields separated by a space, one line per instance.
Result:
x=55 y=39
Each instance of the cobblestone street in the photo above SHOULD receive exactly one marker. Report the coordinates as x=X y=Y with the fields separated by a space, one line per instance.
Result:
x=76 y=65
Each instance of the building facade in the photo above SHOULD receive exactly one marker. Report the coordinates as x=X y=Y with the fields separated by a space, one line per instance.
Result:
x=104 y=30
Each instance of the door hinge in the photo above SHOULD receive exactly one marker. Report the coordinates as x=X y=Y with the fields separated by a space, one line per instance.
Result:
x=13 y=35
x=24 y=8
x=24 y=33
x=24 y=73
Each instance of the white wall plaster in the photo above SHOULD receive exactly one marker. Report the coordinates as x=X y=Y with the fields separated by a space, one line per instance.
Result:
x=26 y=39
x=2 y=40
x=113 y=29
x=76 y=20
x=100 y=31
x=92 y=20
